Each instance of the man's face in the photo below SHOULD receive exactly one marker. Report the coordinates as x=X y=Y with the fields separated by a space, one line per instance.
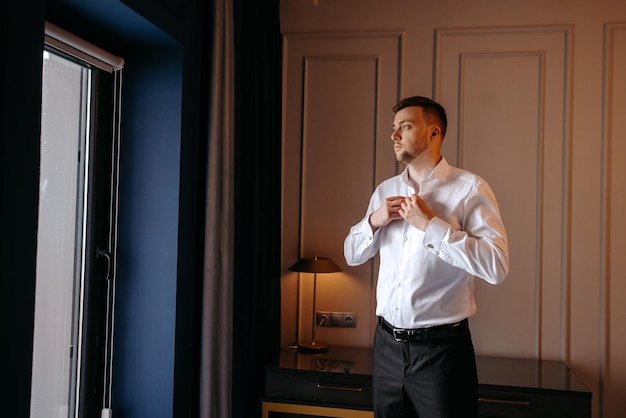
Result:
x=410 y=134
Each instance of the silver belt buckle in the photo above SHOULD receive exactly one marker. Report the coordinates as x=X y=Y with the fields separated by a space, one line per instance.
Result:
x=397 y=337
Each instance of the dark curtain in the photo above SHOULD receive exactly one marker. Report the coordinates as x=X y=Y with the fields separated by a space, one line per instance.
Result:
x=21 y=40
x=256 y=292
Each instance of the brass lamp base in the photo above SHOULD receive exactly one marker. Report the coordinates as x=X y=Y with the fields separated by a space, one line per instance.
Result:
x=312 y=345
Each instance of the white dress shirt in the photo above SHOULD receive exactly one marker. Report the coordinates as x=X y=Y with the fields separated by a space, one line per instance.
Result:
x=427 y=278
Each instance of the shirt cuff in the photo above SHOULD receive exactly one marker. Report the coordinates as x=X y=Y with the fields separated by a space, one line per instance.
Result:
x=435 y=234
x=366 y=230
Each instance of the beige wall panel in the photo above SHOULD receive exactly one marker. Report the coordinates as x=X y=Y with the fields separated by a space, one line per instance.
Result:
x=346 y=146
x=336 y=150
x=615 y=227
x=498 y=139
x=504 y=90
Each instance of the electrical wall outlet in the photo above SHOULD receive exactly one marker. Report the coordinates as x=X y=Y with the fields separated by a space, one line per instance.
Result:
x=335 y=319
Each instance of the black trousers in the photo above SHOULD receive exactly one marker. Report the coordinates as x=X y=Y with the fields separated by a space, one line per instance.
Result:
x=435 y=378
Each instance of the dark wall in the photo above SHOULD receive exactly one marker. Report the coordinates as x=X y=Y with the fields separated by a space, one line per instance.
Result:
x=148 y=233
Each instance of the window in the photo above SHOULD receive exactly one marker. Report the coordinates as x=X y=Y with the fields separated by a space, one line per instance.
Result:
x=76 y=240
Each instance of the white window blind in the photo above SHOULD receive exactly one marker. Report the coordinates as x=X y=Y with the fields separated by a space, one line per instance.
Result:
x=79 y=48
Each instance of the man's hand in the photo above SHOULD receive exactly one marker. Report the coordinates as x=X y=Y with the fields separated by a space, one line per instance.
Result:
x=416 y=212
x=387 y=212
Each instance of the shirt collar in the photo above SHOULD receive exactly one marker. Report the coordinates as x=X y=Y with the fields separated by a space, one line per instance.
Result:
x=440 y=172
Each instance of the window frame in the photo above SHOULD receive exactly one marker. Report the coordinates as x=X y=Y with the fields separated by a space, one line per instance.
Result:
x=95 y=301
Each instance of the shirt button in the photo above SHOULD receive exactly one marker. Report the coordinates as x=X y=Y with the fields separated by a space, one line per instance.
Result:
x=406 y=238
x=430 y=246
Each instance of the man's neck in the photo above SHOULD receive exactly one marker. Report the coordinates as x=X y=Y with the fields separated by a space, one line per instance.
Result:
x=422 y=167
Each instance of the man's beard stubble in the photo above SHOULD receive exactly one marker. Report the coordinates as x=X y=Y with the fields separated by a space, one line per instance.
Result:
x=406 y=156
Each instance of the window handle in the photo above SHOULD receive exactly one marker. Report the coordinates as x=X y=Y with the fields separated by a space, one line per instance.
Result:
x=107 y=256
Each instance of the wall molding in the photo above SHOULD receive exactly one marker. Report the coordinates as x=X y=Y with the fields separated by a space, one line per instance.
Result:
x=455 y=49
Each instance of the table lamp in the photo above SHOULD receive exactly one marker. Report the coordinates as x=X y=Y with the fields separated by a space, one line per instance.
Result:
x=314 y=265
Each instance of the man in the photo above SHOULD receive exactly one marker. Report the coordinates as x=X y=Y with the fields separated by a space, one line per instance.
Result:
x=437 y=227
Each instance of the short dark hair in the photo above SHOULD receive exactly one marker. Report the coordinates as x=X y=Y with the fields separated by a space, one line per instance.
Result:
x=432 y=109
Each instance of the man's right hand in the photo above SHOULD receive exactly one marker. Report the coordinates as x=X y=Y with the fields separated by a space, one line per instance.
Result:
x=387 y=212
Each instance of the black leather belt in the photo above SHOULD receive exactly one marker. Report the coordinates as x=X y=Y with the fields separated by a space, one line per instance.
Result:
x=423 y=334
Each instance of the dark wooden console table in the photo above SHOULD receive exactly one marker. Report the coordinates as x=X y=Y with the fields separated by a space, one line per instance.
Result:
x=337 y=383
